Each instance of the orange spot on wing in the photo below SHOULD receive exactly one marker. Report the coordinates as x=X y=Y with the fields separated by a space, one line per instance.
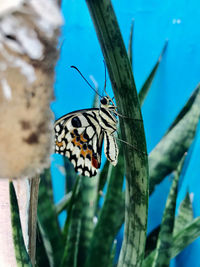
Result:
x=59 y=144
x=83 y=139
x=85 y=152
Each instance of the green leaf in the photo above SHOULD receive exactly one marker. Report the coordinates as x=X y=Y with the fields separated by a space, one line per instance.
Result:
x=44 y=251
x=147 y=84
x=180 y=241
x=73 y=234
x=110 y=219
x=48 y=221
x=152 y=240
x=163 y=249
x=21 y=253
x=63 y=203
x=70 y=176
x=132 y=129
x=165 y=156
x=88 y=199
x=75 y=192
x=102 y=180
x=112 y=255
x=185 y=214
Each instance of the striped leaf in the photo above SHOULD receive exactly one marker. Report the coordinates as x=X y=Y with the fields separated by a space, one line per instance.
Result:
x=180 y=241
x=88 y=199
x=21 y=253
x=123 y=85
x=70 y=255
x=147 y=84
x=165 y=156
x=110 y=219
x=163 y=250
x=48 y=221
x=185 y=214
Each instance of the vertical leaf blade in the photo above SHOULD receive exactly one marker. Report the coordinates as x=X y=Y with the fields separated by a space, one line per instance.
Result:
x=21 y=253
x=48 y=220
x=110 y=218
x=147 y=84
x=185 y=214
x=132 y=129
x=163 y=249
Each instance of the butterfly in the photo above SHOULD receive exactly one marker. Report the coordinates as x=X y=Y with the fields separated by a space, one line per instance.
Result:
x=79 y=135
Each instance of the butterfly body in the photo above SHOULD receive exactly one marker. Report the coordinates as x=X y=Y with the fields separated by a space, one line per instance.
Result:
x=79 y=136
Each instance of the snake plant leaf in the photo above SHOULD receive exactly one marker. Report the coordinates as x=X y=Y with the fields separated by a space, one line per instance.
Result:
x=180 y=241
x=70 y=255
x=70 y=176
x=165 y=156
x=186 y=108
x=185 y=214
x=44 y=252
x=110 y=219
x=136 y=164
x=130 y=45
x=21 y=254
x=147 y=84
x=163 y=249
x=48 y=221
x=112 y=254
x=63 y=203
x=152 y=240
x=88 y=199
x=75 y=192
x=103 y=178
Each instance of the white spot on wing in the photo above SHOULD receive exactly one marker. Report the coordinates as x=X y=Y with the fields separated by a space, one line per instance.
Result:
x=57 y=128
x=70 y=146
x=76 y=151
x=73 y=162
x=80 y=162
x=68 y=136
x=87 y=163
x=87 y=173
x=80 y=170
x=90 y=131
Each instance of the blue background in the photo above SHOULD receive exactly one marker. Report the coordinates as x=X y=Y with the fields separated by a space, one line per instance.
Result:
x=178 y=74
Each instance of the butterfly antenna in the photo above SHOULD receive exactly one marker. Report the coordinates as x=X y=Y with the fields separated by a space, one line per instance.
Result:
x=86 y=80
x=105 y=76
x=105 y=85
x=105 y=79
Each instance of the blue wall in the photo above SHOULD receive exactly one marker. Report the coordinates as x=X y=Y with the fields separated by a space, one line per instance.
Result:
x=178 y=74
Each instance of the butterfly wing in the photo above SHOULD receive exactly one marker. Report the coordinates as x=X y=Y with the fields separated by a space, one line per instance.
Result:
x=110 y=148
x=79 y=136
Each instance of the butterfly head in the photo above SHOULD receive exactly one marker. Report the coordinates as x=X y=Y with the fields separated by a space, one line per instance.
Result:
x=107 y=103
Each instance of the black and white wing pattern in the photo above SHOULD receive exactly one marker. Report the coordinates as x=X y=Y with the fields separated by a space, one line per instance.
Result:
x=79 y=136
